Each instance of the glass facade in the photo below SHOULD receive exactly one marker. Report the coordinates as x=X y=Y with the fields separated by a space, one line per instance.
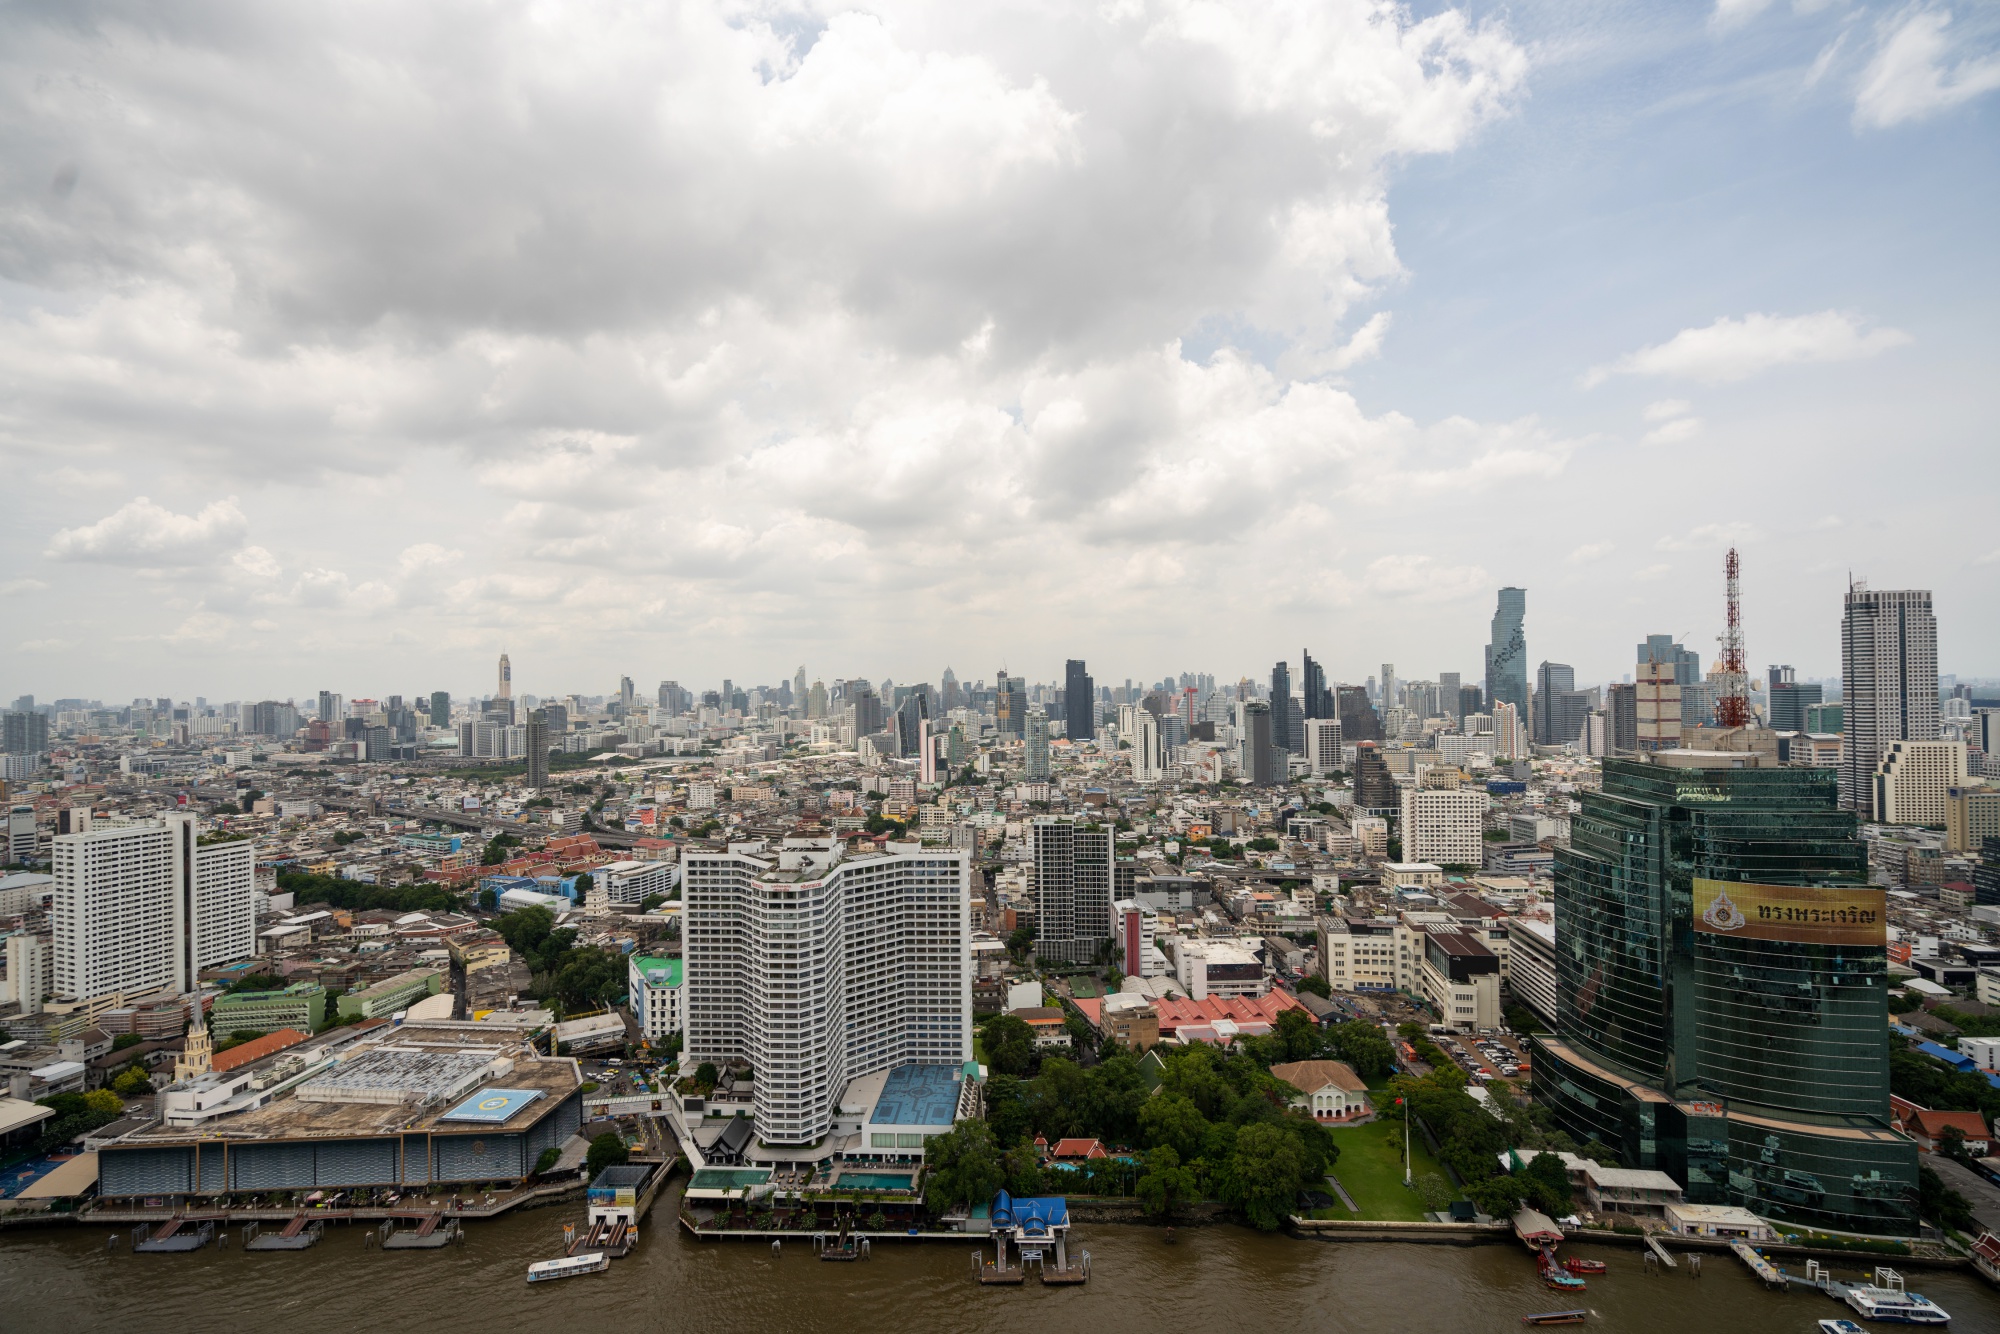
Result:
x=1747 y=1059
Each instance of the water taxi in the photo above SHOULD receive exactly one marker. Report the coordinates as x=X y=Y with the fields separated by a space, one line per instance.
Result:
x=1894 y=1306
x=1840 y=1327
x=568 y=1266
x=1575 y=1316
x=1576 y=1266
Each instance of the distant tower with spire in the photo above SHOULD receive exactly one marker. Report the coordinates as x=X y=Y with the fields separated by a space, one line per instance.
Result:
x=506 y=678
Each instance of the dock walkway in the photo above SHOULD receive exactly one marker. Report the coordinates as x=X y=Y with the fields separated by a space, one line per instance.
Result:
x=1768 y=1273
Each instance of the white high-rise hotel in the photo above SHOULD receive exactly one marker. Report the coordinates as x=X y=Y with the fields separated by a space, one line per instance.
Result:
x=817 y=969
x=1889 y=684
x=142 y=906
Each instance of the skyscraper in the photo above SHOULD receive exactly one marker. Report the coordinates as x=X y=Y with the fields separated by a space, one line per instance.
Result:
x=1318 y=699
x=1560 y=708
x=1323 y=748
x=1148 y=756
x=1790 y=698
x=1507 y=652
x=625 y=693
x=1722 y=992
x=538 y=749
x=1281 y=707
x=1358 y=719
x=1259 y=756
x=1622 y=708
x=1037 y=752
x=506 y=690
x=25 y=733
x=1392 y=689
x=1448 y=695
x=1072 y=889
x=1079 y=701
x=440 y=708
x=817 y=970
x=1686 y=663
x=1011 y=707
x=1889 y=683
x=1374 y=789
x=799 y=689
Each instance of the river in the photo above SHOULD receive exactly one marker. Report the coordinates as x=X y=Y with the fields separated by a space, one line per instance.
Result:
x=1215 y=1280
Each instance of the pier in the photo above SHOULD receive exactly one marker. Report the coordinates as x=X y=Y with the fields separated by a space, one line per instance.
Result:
x=1769 y=1274
x=432 y=1232
x=1660 y=1252
x=296 y=1235
x=179 y=1233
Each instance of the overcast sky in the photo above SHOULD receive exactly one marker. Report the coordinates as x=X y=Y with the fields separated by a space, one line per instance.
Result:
x=346 y=345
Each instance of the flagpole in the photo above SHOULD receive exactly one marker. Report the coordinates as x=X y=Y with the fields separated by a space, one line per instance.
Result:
x=1406 y=1139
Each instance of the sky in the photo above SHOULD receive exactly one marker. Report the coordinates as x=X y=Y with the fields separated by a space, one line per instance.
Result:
x=345 y=346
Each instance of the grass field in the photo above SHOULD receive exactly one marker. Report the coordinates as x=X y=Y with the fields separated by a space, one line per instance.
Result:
x=1371 y=1167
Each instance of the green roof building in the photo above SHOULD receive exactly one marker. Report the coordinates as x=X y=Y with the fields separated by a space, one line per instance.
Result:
x=301 y=1005
x=391 y=994
x=1722 y=999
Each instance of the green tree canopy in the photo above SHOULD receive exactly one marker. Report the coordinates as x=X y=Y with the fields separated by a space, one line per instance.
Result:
x=963 y=1166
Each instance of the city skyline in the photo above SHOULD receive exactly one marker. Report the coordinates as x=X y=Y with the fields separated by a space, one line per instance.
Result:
x=826 y=363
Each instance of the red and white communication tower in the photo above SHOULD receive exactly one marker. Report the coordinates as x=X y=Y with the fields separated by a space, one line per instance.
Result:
x=1733 y=708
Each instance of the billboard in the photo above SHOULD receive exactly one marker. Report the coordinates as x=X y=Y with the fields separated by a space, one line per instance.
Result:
x=1846 y=915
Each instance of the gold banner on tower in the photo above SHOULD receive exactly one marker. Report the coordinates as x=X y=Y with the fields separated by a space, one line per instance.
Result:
x=1848 y=915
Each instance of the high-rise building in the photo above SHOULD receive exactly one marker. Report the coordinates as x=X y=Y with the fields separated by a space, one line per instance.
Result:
x=1037 y=750
x=1790 y=698
x=1258 y=757
x=1507 y=652
x=1011 y=708
x=1318 y=699
x=1622 y=719
x=25 y=732
x=1358 y=719
x=1827 y=719
x=440 y=708
x=1656 y=705
x=1148 y=756
x=332 y=708
x=1889 y=683
x=1281 y=708
x=505 y=689
x=869 y=712
x=1392 y=690
x=538 y=749
x=1971 y=817
x=911 y=717
x=817 y=970
x=1912 y=778
x=1685 y=662
x=626 y=694
x=1444 y=825
x=1374 y=789
x=1449 y=697
x=1323 y=746
x=1471 y=700
x=1079 y=701
x=1559 y=706
x=1073 y=884
x=816 y=702
x=22 y=836
x=143 y=906
x=1722 y=992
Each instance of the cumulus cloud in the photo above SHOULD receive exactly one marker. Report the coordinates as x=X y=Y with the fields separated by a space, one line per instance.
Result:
x=143 y=533
x=742 y=316
x=1589 y=553
x=1913 y=76
x=1736 y=349
x=16 y=587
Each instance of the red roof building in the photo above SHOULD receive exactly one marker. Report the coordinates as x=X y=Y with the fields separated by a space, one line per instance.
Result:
x=1176 y=1011
x=256 y=1049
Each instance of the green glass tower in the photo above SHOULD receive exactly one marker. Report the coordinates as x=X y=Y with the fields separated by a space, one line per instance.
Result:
x=1722 y=992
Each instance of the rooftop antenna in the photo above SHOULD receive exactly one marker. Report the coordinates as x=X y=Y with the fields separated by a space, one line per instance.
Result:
x=1733 y=709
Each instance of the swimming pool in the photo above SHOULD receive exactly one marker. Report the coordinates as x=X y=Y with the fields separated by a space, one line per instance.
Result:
x=873 y=1181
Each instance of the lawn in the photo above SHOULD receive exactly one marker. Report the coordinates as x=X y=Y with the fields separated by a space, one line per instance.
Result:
x=1371 y=1168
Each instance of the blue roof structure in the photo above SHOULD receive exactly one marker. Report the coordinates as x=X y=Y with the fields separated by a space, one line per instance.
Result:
x=917 y=1095
x=492 y=1107
x=1036 y=1216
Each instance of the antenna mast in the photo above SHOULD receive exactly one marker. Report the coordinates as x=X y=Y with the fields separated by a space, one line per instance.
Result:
x=1733 y=709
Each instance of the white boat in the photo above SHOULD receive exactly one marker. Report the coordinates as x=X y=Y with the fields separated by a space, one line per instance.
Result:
x=1840 y=1327
x=569 y=1266
x=1894 y=1306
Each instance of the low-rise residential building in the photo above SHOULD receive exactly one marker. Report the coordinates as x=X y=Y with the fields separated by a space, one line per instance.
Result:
x=655 y=986
x=390 y=994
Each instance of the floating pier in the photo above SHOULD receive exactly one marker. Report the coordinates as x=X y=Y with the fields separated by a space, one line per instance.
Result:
x=1769 y=1274
x=297 y=1234
x=433 y=1232
x=179 y=1233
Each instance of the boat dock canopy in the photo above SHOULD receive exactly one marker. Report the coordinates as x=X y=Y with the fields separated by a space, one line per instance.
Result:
x=1536 y=1228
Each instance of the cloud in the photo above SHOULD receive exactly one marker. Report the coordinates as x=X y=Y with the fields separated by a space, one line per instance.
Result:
x=1674 y=432
x=16 y=587
x=1736 y=349
x=1710 y=535
x=1667 y=409
x=142 y=533
x=1589 y=553
x=1650 y=572
x=1911 y=78
x=1735 y=13
x=1990 y=558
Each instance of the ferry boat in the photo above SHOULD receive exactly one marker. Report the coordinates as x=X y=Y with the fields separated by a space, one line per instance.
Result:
x=1894 y=1306
x=1576 y=1266
x=1840 y=1327
x=568 y=1266
x=1554 y=1277
x=1574 y=1316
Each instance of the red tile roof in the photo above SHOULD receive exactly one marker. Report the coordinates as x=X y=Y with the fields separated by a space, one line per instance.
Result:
x=1079 y=1148
x=1176 y=1011
x=256 y=1049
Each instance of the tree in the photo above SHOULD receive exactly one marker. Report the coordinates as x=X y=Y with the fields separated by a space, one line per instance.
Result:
x=1165 y=1183
x=1173 y=1120
x=706 y=1076
x=584 y=884
x=1362 y=1046
x=651 y=901
x=1023 y=1171
x=1264 y=1174
x=1298 y=1033
x=124 y=1040
x=607 y=1150
x=1317 y=985
x=1020 y=940
x=1010 y=1046
x=1007 y=1111
x=132 y=1082
x=964 y=1165
x=1951 y=1143
x=1546 y=1184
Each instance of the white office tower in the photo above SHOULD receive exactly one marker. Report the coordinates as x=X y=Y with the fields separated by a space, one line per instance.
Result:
x=1323 y=746
x=1911 y=781
x=20 y=834
x=1149 y=760
x=1888 y=684
x=817 y=969
x=1072 y=890
x=143 y=907
x=1444 y=826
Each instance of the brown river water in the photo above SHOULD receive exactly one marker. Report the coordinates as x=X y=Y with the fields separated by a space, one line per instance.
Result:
x=1213 y=1280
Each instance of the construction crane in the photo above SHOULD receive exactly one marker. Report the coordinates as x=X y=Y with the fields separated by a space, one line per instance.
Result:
x=1733 y=708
